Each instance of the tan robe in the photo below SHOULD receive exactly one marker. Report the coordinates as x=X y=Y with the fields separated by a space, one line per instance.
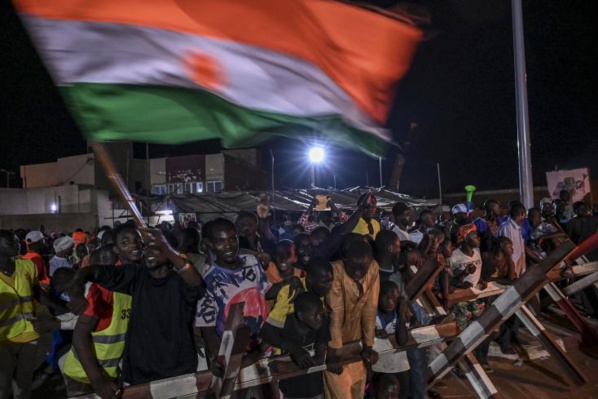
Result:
x=353 y=317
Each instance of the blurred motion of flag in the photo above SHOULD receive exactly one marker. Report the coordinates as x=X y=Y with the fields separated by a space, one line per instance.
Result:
x=168 y=71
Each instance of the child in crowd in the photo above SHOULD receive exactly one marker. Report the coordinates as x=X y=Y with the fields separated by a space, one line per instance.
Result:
x=318 y=281
x=388 y=324
x=306 y=329
x=281 y=269
x=304 y=250
x=396 y=315
x=466 y=267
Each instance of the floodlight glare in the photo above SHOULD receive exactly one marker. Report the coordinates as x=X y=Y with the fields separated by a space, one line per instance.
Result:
x=316 y=155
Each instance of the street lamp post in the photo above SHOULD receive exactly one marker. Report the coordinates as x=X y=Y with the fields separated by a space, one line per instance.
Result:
x=316 y=155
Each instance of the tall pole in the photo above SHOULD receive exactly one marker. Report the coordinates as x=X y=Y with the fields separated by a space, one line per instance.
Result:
x=439 y=186
x=380 y=169
x=272 y=178
x=148 y=178
x=313 y=175
x=526 y=186
x=117 y=182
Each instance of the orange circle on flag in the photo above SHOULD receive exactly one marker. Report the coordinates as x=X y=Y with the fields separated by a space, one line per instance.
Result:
x=205 y=70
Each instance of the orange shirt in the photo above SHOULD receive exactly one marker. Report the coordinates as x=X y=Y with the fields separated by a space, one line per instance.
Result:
x=40 y=265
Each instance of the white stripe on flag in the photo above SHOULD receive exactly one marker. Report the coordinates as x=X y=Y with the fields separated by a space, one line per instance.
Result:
x=253 y=77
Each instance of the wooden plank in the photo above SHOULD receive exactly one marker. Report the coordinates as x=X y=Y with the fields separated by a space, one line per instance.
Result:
x=471 y=294
x=478 y=378
x=581 y=323
x=513 y=298
x=422 y=279
x=537 y=329
x=260 y=373
x=580 y=284
x=578 y=270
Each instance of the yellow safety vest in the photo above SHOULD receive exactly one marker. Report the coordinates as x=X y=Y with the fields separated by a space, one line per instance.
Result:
x=16 y=304
x=108 y=344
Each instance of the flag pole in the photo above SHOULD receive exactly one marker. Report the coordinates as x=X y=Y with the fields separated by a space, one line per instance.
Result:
x=526 y=186
x=106 y=161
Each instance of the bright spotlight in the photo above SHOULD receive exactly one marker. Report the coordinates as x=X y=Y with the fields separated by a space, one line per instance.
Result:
x=316 y=154
x=53 y=208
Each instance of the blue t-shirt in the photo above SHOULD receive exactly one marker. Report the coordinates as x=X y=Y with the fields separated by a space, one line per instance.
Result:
x=225 y=287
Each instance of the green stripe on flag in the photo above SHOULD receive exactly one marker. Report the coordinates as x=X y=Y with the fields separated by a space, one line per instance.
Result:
x=167 y=115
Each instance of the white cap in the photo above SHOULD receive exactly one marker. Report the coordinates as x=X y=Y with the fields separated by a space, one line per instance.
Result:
x=34 y=236
x=63 y=243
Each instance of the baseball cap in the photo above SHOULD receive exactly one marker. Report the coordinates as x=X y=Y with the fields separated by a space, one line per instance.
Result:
x=34 y=236
x=63 y=243
x=458 y=208
x=545 y=200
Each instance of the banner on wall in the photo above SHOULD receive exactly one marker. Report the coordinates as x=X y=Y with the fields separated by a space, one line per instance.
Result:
x=576 y=181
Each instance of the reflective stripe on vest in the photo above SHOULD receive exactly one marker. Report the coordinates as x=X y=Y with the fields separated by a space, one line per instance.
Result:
x=17 y=305
x=105 y=363
x=108 y=344
x=108 y=339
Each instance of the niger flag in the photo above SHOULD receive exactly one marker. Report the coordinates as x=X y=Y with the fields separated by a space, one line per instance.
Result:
x=168 y=71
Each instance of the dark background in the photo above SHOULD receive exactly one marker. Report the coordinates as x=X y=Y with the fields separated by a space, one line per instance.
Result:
x=459 y=91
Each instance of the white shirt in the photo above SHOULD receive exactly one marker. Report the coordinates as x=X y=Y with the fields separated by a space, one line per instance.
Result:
x=403 y=235
x=512 y=230
x=388 y=362
x=460 y=261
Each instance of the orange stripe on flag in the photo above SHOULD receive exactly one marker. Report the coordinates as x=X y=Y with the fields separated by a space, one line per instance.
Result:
x=365 y=53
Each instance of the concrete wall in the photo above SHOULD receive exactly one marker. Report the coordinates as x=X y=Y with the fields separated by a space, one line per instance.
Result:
x=122 y=157
x=13 y=200
x=40 y=175
x=138 y=175
x=214 y=167
x=158 y=171
x=78 y=169
x=64 y=222
x=248 y=156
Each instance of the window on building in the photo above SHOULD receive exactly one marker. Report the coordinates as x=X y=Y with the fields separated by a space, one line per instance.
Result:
x=214 y=186
x=194 y=187
x=159 y=189
x=175 y=188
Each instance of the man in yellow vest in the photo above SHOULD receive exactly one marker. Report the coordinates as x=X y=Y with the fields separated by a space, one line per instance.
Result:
x=99 y=336
x=18 y=338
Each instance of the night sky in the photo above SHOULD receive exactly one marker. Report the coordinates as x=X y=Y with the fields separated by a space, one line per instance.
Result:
x=459 y=91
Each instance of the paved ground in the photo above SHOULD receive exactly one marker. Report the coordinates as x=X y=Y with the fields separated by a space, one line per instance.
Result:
x=539 y=379
x=537 y=376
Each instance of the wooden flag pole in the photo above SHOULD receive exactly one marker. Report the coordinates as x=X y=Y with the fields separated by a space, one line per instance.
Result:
x=103 y=156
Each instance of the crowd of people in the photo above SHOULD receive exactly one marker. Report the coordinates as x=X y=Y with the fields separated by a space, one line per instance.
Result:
x=125 y=306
